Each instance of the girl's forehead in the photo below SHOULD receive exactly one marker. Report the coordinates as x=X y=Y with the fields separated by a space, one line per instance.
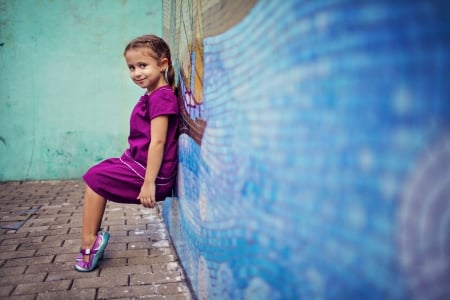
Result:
x=140 y=54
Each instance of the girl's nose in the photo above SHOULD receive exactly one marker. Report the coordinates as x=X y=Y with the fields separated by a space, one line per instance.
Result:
x=137 y=73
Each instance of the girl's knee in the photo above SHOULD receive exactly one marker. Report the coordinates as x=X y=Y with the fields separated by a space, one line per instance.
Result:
x=89 y=193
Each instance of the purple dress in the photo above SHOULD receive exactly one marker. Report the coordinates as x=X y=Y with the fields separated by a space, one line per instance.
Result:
x=121 y=179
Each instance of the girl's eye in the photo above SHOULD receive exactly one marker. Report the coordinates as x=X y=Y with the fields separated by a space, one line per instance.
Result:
x=142 y=66
x=131 y=68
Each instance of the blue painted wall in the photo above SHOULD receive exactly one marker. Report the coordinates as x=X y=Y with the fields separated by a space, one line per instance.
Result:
x=324 y=167
x=65 y=92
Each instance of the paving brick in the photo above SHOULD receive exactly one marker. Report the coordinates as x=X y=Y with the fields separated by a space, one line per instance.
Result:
x=110 y=222
x=139 y=245
x=126 y=253
x=128 y=270
x=156 y=227
x=70 y=274
x=156 y=236
x=162 y=251
x=6 y=248
x=127 y=239
x=72 y=245
x=22 y=297
x=184 y=296
x=171 y=266
x=77 y=294
x=158 y=277
x=113 y=262
x=28 y=261
x=5 y=290
x=36 y=230
x=121 y=233
x=12 y=271
x=104 y=281
x=151 y=260
x=50 y=267
x=126 y=292
x=54 y=212
x=40 y=221
x=63 y=227
x=138 y=232
x=178 y=288
x=45 y=230
x=65 y=257
x=17 y=238
x=21 y=278
x=117 y=247
x=37 y=246
x=66 y=217
x=17 y=254
x=74 y=229
x=59 y=237
x=162 y=244
x=13 y=216
x=41 y=287
x=114 y=212
x=129 y=227
x=145 y=221
x=58 y=251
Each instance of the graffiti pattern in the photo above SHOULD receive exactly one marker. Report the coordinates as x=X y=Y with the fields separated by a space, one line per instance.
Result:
x=323 y=166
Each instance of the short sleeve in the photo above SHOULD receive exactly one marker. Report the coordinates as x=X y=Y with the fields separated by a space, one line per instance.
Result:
x=163 y=102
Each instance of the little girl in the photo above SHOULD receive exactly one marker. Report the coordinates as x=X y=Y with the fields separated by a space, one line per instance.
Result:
x=146 y=171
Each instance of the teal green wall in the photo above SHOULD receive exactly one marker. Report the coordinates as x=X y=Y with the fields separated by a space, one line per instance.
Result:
x=64 y=87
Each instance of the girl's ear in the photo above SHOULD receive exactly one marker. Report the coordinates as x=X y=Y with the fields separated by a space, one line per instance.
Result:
x=164 y=64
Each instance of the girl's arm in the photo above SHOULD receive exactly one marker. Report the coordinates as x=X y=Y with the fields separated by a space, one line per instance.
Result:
x=159 y=126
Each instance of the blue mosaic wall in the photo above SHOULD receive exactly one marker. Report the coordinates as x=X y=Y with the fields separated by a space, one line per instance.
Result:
x=324 y=168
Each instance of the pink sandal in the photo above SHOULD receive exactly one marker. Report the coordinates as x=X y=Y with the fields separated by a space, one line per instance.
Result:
x=80 y=256
x=95 y=253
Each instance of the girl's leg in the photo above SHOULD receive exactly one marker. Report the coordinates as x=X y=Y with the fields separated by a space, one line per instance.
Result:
x=93 y=209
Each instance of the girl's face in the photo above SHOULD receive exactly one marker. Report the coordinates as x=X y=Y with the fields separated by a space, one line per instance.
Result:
x=145 y=70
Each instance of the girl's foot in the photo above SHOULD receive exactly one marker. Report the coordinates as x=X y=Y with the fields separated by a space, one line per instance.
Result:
x=95 y=253
x=80 y=255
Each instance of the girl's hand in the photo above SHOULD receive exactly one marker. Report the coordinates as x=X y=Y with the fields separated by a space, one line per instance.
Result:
x=147 y=195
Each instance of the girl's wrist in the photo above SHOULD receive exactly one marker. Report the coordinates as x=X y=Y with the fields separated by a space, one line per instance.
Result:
x=147 y=181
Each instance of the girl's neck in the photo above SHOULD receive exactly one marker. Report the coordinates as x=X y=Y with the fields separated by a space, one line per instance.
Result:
x=161 y=83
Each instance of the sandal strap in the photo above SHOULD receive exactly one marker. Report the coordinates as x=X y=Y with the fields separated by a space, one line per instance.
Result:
x=96 y=243
x=88 y=251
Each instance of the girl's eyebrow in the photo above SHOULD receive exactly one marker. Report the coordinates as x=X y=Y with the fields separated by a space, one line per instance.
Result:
x=138 y=63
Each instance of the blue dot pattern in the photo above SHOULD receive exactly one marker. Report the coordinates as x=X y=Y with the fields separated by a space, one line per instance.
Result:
x=324 y=169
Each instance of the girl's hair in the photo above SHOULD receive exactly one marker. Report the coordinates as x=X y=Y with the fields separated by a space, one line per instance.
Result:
x=158 y=49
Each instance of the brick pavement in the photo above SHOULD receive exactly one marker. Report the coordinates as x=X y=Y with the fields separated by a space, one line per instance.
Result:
x=40 y=224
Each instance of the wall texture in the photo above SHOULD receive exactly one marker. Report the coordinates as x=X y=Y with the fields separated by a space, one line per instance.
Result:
x=315 y=154
x=65 y=92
